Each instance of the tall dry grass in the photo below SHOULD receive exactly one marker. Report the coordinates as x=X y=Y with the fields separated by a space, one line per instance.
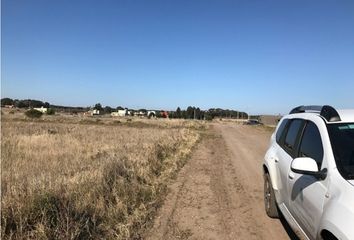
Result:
x=87 y=181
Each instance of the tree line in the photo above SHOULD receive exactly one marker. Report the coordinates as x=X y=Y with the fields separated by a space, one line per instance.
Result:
x=33 y=103
x=190 y=112
x=26 y=103
x=197 y=113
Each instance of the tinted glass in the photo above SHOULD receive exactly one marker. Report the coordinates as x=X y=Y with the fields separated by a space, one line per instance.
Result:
x=292 y=133
x=281 y=129
x=311 y=144
x=342 y=140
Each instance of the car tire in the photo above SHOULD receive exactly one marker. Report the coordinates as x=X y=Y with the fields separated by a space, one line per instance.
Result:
x=270 y=203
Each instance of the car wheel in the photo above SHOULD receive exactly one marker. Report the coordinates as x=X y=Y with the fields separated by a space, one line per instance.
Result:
x=269 y=198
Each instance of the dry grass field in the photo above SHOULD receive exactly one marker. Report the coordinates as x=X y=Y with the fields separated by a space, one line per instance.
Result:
x=65 y=177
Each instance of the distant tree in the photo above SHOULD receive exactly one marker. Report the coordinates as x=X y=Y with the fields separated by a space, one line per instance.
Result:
x=35 y=103
x=178 y=113
x=120 y=108
x=98 y=106
x=46 y=105
x=7 y=101
x=184 y=114
x=197 y=113
x=208 y=117
x=202 y=115
x=30 y=103
x=20 y=104
x=108 y=109
x=190 y=112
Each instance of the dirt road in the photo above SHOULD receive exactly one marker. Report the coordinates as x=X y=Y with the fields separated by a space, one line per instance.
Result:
x=219 y=192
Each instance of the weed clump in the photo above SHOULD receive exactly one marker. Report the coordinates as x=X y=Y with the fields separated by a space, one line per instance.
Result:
x=50 y=111
x=32 y=113
x=49 y=215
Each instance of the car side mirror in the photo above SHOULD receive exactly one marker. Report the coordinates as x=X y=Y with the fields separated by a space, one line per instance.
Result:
x=307 y=166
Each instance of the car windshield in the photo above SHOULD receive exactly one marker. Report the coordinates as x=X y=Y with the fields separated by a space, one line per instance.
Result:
x=342 y=140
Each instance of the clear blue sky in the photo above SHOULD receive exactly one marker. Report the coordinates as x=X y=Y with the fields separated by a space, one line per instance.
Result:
x=256 y=56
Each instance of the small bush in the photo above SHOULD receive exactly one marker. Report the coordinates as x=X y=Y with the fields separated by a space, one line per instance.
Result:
x=208 y=117
x=32 y=113
x=50 y=111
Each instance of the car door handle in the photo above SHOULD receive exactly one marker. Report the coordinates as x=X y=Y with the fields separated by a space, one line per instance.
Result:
x=291 y=175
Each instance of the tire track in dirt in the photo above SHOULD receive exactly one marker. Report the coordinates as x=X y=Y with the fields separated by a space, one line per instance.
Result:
x=219 y=192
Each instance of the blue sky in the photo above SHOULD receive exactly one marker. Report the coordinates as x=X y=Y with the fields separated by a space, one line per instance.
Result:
x=256 y=56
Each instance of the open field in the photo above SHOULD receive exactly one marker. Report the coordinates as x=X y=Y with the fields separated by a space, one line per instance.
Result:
x=75 y=177
x=17 y=115
x=66 y=177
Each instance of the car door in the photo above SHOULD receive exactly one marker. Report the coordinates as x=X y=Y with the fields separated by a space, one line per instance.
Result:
x=285 y=155
x=307 y=193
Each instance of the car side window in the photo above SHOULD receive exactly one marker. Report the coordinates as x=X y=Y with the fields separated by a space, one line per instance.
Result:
x=311 y=144
x=291 y=136
x=281 y=130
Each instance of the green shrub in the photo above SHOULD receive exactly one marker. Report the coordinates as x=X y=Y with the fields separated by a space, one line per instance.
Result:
x=50 y=111
x=32 y=113
x=208 y=117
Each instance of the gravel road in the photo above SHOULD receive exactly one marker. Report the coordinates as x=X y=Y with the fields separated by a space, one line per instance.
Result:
x=219 y=192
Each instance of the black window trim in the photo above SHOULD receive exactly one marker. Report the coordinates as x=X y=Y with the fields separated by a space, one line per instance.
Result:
x=301 y=138
x=293 y=152
x=285 y=129
x=283 y=134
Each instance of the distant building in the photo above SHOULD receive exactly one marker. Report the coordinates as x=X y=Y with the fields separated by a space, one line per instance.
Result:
x=164 y=114
x=41 y=109
x=95 y=112
x=151 y=114
x=120 y=113
x=139 y=113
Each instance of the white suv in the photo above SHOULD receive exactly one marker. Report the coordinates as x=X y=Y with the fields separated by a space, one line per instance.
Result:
x=309 y=172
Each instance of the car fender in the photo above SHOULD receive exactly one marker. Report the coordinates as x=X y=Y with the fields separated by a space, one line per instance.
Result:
x=269 y=163
x=338 y=220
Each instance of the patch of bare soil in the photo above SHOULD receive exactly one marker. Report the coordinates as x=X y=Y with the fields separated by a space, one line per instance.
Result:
x=219 y=192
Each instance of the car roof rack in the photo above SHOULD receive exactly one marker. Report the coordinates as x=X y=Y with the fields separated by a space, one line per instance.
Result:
x=327 y=112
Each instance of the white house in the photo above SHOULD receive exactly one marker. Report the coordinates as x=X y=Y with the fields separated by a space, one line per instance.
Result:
x=151 y=114
x=95 y=112
x=119 y=113
x=41 y=109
